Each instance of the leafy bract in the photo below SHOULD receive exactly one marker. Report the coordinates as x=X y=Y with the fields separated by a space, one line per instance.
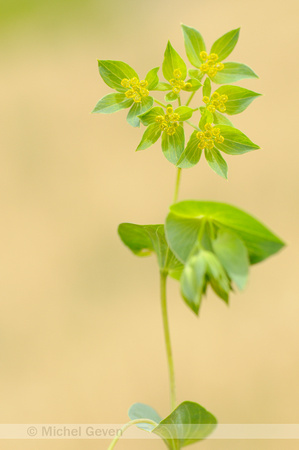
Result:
x=225 y=44
x=194 y=44
x=143 y=240
x=152 y=78
x=142 y=411
x=238 y=98
x=187 y=424
x=184 y=112
x=184 y=222
x=112 y=103
x=191 y=154
x=193 y=281
x=216 y=162
x=173 y=61
x=173 y=145
x=195 y=73
x=161 y=86
x=150 y=136
x=221 y=119
x=206 y=90
x=171 y=96
x=137 y=109
x=233 y=72
x=235 y=142
x=113 y=72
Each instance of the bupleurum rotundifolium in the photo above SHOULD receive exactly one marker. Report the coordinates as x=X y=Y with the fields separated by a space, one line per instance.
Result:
x=136 y=89
x=217 y=101
x=210 y=65
x=208 y=137
x=168 y=122
x=177 y=83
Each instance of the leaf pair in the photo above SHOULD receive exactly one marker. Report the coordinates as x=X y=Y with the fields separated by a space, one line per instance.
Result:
x=187 y=424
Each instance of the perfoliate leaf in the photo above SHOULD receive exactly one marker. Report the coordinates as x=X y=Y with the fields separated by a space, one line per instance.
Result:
x=142 y=240
x=163 y=87
x=113 y=72
x=173 y=145
x=191 y=155
x=184 y=222
x=195 y=85
x=150 y=136
x=216 y=162
x=225 y=44
x=238 y=98
x=233 y=72
x=221 y=119
x=150 y=116
x=187 y=424
x=235 y=142
x=137 y=109
x=171 y=97
x=184 y=112
x=206 y=90
x=142 y=411
x=193 y=281
x=195 y=73
x=112 y=103
x=194 y=44
x=233 y=255
x=152 y=78
x=173 y=61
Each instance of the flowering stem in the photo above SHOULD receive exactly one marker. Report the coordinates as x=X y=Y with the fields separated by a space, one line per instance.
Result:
x=192 y=125
x=128 y=425
x=177 y=185
x=159 y=103
x=190 y=98
x=163 y=278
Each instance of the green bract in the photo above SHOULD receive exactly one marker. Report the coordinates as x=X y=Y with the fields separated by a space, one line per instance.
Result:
x=203 y=245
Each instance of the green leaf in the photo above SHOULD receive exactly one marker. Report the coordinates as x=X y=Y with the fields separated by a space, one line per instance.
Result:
x=193 y=281
x=152 y=78
x=171 y=97
x=191 y=155
x=217 y=277
x=194 y=44
x=216 y=162
x=220 y=119
x=150 y=136
x=150 y=116
x=235 y=142
x=113 y=72
x=172 y=61
x=238 y=98
x=207 y=117
x=112 y=103
x=137 y=109
x=206 y=90
x=225 y=44
x=163 y=87
x=195 y=73
x=142 y=240
x=233 y=255
x=195 y=85
x=173 y=146
x=187 y=424
x=233 y=72
x=184 y=112
x=142 y=411
x=184 y=222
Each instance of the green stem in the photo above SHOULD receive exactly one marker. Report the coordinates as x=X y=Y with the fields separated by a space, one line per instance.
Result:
x=190 y=98
x=179 y=100
x=159 y=103
x=128 y=425
x=163 y=278
x=177 y=186
x=192 y=125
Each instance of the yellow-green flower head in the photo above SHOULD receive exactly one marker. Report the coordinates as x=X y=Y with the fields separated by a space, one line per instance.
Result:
x=208 y=137
x=168 y=122
x=216 y=102
x=210 y=65
x=177 y=83
x=136 y=89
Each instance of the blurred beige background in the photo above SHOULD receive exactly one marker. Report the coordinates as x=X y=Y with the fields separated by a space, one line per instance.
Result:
x=80 y=327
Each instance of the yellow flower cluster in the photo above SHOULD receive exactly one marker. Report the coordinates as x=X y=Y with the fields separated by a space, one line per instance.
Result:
x=177 y=83
x=210 y=66
x=217 y=101
x=169 y=122
x=208 y=137
x=137 y=89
